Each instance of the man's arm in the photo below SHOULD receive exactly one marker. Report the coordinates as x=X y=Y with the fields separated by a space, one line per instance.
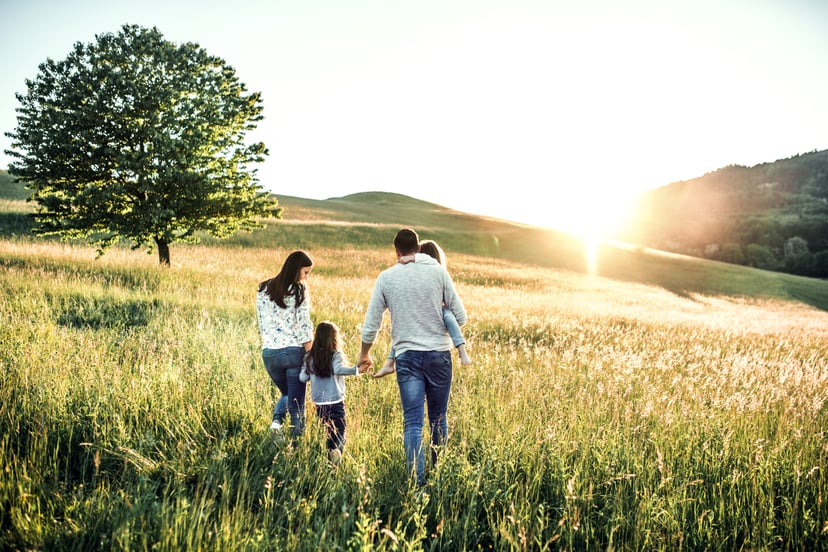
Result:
x=371 y=326
x=366 y=363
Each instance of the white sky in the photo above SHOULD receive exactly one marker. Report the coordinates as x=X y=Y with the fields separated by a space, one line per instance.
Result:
x=544 y=112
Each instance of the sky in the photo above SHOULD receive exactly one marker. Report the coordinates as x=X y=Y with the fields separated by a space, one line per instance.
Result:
x=547 y=112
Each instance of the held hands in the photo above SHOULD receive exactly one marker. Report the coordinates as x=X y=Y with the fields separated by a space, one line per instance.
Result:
x=365 y=364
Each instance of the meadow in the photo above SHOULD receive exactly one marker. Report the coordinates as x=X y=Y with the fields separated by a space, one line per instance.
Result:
x=661 y=403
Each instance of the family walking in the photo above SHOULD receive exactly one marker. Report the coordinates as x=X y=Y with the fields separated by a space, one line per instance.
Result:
x=426 y=314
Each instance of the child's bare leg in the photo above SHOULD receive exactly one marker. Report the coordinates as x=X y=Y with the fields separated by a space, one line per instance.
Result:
x=388 y=368
x=464 y=357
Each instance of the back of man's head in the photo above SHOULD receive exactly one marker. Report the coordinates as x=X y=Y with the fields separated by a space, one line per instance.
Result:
x=407 y=241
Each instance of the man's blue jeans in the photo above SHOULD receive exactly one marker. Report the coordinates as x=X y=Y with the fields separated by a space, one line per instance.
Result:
x=283 y=367
x=423 y=376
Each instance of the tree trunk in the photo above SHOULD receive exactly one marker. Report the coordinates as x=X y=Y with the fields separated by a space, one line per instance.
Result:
x=163 y=251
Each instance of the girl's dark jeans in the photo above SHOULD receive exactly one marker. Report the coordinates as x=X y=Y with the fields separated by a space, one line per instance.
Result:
x=333 y=416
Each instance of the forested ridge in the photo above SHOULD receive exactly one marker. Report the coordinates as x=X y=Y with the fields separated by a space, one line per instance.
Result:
x=772 y=216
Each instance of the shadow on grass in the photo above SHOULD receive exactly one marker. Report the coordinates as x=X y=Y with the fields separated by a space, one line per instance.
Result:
x=127 y=278
x=83 y=311
x=16 y=224
x=804 y=290
x=688 y=277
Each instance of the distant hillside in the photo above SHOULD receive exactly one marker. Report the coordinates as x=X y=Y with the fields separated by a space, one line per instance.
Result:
x=389 y=208
x=9 y=189
x=380 y=214
x=370 y=220
x=772 y=215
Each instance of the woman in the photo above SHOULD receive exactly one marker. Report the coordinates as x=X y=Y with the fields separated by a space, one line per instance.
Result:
x=283 y=306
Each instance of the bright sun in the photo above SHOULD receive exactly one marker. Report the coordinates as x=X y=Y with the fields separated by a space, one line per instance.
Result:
x=591 y=215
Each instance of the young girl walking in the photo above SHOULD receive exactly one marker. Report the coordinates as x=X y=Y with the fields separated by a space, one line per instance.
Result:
x=430 y=248
x=325 y=368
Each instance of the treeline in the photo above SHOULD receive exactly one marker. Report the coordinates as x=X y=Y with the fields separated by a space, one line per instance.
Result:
x=772 y=216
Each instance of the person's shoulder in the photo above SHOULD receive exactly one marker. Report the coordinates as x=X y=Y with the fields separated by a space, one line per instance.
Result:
x=422 y=258
x=390 y=270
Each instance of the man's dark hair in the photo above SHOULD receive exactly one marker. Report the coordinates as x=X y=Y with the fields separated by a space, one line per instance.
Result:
x=407 y=241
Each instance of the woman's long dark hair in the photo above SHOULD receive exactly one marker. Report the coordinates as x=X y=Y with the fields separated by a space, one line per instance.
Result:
x=287 y=281
x=326 y=341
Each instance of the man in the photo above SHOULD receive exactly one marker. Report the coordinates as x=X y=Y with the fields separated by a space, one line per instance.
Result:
x=414 y=294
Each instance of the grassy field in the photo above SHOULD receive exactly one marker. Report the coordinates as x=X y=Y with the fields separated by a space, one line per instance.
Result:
x=657 y=403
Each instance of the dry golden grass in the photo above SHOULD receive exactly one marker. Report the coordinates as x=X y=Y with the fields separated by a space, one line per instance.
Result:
x=597 y=413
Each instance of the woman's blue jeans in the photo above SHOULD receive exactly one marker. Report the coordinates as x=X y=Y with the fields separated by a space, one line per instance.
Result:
x=283 y=367
x=423 y=377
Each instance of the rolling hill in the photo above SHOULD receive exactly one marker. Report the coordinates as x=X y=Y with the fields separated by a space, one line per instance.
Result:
x=377 y=215
x=370 y=219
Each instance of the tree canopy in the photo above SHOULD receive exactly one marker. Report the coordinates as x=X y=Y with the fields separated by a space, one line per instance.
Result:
x=134 y=137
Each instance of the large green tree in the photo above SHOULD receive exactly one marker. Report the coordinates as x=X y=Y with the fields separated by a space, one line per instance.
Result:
x=134 y=137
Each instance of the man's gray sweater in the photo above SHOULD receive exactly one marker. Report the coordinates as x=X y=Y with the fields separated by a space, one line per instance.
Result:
x=414 y=294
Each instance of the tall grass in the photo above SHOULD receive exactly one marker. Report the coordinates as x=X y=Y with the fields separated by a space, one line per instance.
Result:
x=598 y=414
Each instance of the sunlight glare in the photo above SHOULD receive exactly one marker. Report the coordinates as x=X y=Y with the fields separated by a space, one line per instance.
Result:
x=592 y=215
